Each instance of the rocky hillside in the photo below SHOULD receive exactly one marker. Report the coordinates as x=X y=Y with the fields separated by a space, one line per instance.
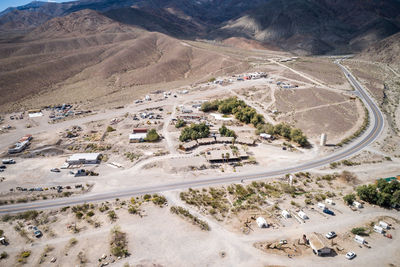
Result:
x=300 y=26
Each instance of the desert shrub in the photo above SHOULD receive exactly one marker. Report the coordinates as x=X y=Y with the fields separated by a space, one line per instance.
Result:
x=110 y=129
x=3 y=255
x=112 y=215
x=359 y=231
x=118 y=243
x=152 y=136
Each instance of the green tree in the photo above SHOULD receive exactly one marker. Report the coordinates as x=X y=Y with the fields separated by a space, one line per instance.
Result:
x=349 y=199
x=152 y=136
x=359 y=231
x=180 y=123
x=368 y=193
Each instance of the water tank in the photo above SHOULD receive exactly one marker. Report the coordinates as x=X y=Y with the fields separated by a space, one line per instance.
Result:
x=323 y=139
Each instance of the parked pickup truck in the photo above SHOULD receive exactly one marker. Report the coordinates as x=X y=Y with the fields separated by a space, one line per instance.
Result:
x=328 y=211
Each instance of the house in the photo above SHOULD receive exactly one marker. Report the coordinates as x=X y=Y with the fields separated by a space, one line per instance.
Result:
x=378 y=229
x=261 y=222
x=218 y=156
x=139 y=130
x=84 y=158
x=302 y=215
x=244 y=141
x=359 y=239
x=225 y=140
x=286 y=214
x=318 y=246
x=384 y=225
x=189 y=145
x=137 y=137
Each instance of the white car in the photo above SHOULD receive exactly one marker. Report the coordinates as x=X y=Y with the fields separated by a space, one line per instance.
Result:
x=350 y=255
x=330 y=235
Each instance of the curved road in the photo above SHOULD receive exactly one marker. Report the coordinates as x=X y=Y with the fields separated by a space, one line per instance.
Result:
x=373 y=131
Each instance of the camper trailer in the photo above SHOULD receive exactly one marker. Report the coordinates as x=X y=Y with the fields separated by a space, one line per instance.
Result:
x=321 y=206
x=359 y=239
x=302 y=215
x=285 y=214
x=261 y=222
x=378 y=229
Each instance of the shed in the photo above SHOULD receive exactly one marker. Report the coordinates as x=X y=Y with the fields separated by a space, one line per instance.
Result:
x=359 y=239
x=378 y=229
x=189 y=145
x=357 y=205
x=84 y=158
x=318 y=247
x=302 y=215
x=206 y=141
x=285 y=214
x=244 y=141
x=384 y=225
x=261 y=222
x=225 y=140
x=139 y=130
x=137 y=137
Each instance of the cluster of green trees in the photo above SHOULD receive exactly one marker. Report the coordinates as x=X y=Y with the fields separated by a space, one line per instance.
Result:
x=237 y=107
x=247 y=114
x=383 y=193
x=194 y=132
x=226 y=132
x=284 y=130
x=152 y=136
x=180 y=123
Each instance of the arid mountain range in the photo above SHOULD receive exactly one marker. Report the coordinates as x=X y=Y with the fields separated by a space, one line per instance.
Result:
x=89 y=49
x=301 y=26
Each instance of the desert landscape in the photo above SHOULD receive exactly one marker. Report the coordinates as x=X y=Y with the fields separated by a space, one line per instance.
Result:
x=142 y=133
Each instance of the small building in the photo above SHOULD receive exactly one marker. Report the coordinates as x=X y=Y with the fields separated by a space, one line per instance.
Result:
x=84 y=158
x=358 y=205
x=139 y=130
x=318 y=246
x=137 y=137
x=359 y=239
x=384 y=225
x=206 y=141
x=265 y=136
x=244 y=141
x=189 y=145
x=225 y=140
x=261 y=222
x=286 y=214
x=321 y=205
x=302 y=215
x=378 y=229
x=186 y=110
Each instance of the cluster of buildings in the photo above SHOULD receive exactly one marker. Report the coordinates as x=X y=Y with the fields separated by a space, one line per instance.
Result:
x=216 y=140
x=63 y=111
x=20 y=146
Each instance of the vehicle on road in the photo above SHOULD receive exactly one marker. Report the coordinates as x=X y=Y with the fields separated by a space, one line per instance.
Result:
x=55 y=170
x=37 y=233
x=330 y=235
x=8 y=161
x=350 y=255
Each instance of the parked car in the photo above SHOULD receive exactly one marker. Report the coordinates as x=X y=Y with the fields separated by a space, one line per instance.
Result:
x=55 y=170
x=328 y=211
x=350 y=255
x=8 y=161
x=37 y=233
x=1 y=170
x=3 y=166
x=330 y=235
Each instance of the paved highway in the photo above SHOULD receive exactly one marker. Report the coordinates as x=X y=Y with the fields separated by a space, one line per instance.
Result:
x=370 y=135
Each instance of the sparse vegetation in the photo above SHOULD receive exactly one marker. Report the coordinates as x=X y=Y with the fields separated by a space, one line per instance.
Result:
x=185 y=213
x=118 y=243
x=23 y=256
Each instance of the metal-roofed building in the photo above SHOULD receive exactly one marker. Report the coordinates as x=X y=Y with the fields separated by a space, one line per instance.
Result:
x=84 y=158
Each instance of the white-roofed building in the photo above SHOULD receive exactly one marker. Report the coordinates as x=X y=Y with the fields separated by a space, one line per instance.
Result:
x=137 y=137
x=84 y=158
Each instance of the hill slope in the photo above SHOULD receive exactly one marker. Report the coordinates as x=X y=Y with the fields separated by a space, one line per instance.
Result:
x=85 y=55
